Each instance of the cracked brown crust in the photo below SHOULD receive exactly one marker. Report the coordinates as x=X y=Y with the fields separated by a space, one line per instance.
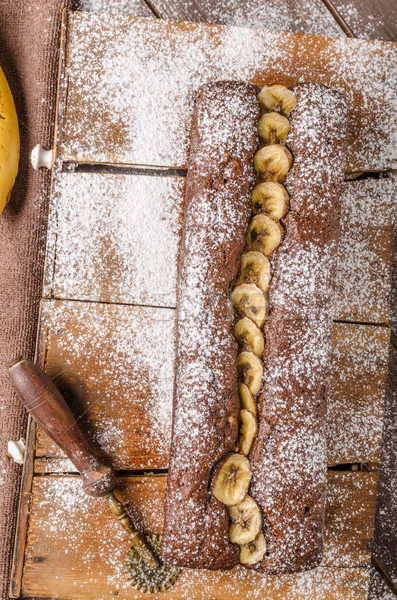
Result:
x=288 y=458
x=218 y=207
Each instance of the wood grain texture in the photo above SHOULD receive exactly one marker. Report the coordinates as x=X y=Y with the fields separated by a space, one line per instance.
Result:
x=138 y=8
x=126 y=407
x=112 y=116
x=115 y=238
x=378 y=588
x=76 y=549
x=384 y=547
x=373 y=19
x=357 y=392
x=365 y=252
x=121 y=361
x=287 y=15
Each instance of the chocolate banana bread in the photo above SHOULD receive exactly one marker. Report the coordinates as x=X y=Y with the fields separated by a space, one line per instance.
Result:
x=288 y=458
x=218 y=206
x=227 y=502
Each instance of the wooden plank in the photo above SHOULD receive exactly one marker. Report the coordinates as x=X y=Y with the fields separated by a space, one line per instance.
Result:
x=357 y=393
x=384 y=547
x=130 y=94
x=378 y=588
x=373 y=19
x=287 y=15
x=76 y=549
x=365 y=252
x=123 y=360
x=125 y=356
x=116 y=238
x=138 y=8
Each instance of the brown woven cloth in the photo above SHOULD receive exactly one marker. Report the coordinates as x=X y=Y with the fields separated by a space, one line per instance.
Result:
x=29 y=41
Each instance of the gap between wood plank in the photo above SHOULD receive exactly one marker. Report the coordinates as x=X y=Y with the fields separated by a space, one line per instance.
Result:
x=119 y=473
x=107 y=303
x=120 y=169
x=371 y=324
x=393 y=339
x=341 y=468
x=383 y=573
x=154 y=9
x=338 y=18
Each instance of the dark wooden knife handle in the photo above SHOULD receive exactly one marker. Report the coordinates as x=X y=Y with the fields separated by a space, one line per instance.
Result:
x=49 y=409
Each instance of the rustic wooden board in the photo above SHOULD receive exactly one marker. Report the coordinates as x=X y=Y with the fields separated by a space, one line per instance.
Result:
x=374 y=19
x=125 y=355
x=132 y=83
x=125 y=358
x=365 y=252
x=115 y=238
x=384 y=547
x=80 y=548
x=287 y=15
x=138 y=8
x=378 y=588
x=127 y=394
x=357 y=392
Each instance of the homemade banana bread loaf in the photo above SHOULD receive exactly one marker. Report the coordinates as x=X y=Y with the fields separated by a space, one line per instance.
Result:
x=248 y=459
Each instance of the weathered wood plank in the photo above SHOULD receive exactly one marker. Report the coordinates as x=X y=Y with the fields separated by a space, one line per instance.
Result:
x=76 y=549
x=284 y=15
x=131 y=94
x=138 y=8
x=373 y=19
x=357 y=393
x=124 y=359
x=115 y=238
x=384 y=547
x=378 y=588
x=365 y=252
x=125 y=356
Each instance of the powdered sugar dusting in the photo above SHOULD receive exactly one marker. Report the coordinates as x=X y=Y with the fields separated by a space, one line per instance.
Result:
x=289 y=454
x=125 y=356
x=133 y=103
x=115 y=238
x=356 y=397
x=363 y=280
x=218 y=207
x=308 y=17
x=80 y=541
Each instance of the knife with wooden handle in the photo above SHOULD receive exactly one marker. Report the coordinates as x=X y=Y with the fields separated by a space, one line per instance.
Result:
x=49 y=409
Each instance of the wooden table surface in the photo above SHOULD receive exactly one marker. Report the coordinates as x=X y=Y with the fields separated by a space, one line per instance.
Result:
x=65 y=553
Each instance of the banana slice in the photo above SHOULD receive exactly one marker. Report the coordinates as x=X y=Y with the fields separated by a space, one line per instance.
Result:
x=254 y=551
x=248 y=430
x=264 y=234
x=247 y=399
x=250 y=302
x=249 y=336
x=255 y=268
x=273 y=128
x=273 y=162
x=270 y=198
x=250 y=369
x=233 y=479
x=278 y=98
x=246 y=521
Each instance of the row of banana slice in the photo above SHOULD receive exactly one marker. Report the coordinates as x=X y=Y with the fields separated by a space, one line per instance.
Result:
x=269 y=204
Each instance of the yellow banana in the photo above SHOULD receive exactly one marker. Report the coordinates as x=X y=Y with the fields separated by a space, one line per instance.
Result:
x=9 y=142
